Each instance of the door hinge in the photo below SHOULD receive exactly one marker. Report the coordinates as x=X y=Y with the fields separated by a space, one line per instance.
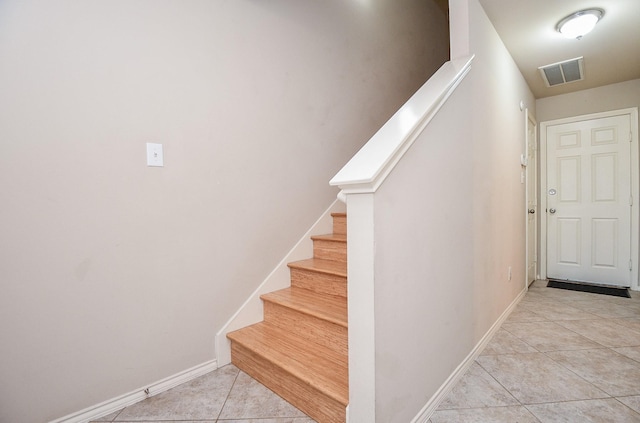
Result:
x=631 y=200
x=630 y=265
x=630 y=137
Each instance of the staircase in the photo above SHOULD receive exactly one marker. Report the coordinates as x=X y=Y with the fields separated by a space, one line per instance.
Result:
x=300 y=349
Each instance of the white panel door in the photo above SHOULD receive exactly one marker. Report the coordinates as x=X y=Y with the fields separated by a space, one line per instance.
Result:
x=588 y=201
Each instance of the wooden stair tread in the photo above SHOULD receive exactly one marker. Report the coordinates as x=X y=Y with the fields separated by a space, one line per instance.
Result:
x=331 y=308
x=317 y=366
x=338 y=214
x=330 y=267
x=330 y=237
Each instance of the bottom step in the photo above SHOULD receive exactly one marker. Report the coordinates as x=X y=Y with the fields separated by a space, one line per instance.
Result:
x=306 y=377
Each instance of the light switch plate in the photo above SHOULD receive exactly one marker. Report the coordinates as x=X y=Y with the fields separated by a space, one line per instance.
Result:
x=154 y=154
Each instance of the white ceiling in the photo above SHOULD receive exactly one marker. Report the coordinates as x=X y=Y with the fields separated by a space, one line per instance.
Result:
x=611 y=51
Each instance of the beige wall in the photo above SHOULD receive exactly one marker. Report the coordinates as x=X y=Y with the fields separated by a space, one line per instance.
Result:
x=602 y=99
x=448 y=224
x=115 y=275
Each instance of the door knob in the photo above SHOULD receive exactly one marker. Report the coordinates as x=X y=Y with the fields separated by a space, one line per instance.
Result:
x=532 y=211
x=552 y=211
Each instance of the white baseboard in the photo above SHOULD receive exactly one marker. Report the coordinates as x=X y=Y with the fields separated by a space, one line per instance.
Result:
x=118 y=403
x=251 y=311
x=433 y=403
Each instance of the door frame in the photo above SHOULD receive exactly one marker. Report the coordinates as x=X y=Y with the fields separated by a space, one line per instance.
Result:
x=635 y=183
x=528 y=116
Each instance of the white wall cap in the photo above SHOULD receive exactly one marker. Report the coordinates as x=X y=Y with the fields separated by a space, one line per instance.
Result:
x=366 y=171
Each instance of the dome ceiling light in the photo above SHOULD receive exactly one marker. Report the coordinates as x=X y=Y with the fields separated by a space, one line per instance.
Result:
x=580 y=23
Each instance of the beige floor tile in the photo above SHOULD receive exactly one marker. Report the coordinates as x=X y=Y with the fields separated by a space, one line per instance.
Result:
x=604 y=331
x=516 y=414
x=553 y=310
x=631 y=352
x=619 y=300
x=535 y=378
x=614 y=373
x=605 y=309
x=532 y=298
x=537 y=286
x=521 y=314
x=635 y=304
x=629 y=323
x=477 y=389
x=549 y=336
x=584 y=323
x=632 y=402
x=588 y=296
x=590 y=411
x=504 y=342
x=249 y=399
x=199 y=399
x=567 y=295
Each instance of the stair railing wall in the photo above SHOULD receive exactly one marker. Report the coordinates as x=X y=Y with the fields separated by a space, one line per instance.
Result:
x=392 y=196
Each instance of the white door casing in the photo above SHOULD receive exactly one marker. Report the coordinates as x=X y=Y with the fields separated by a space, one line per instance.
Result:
x=590 y=228
x=532 y=199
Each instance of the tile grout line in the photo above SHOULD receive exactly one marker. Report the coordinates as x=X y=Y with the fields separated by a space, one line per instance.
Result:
x=626 y=406
x=493 y=377
x=498 y=382
x=227 y=397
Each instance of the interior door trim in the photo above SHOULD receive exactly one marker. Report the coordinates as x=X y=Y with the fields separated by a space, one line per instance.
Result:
x=635 y=183
x=529 y=117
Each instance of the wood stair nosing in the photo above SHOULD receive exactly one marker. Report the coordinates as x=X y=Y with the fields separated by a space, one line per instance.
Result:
x=330 y=308
x=330 y=237
x=313 y=366
x=330 y=267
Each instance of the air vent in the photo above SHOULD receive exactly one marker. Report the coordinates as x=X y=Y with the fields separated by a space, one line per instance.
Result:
x=563 y=72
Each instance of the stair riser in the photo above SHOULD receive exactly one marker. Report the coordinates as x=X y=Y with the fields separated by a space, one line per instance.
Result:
x=321 y=283
x=330 y=250
x=340 y=225
x=316 y=330
x=308 y=399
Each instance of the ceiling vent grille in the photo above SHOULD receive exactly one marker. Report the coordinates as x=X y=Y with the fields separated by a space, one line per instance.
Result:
x=563 y=72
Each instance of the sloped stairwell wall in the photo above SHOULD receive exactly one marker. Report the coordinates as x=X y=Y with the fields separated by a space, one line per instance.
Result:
x=115 y=275
x=430 y=245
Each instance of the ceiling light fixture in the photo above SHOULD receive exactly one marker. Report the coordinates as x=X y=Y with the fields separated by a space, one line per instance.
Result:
x=580 y=23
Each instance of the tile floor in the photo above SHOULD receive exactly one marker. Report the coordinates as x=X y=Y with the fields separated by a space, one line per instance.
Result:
x=561 y=356
x=226 y=395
